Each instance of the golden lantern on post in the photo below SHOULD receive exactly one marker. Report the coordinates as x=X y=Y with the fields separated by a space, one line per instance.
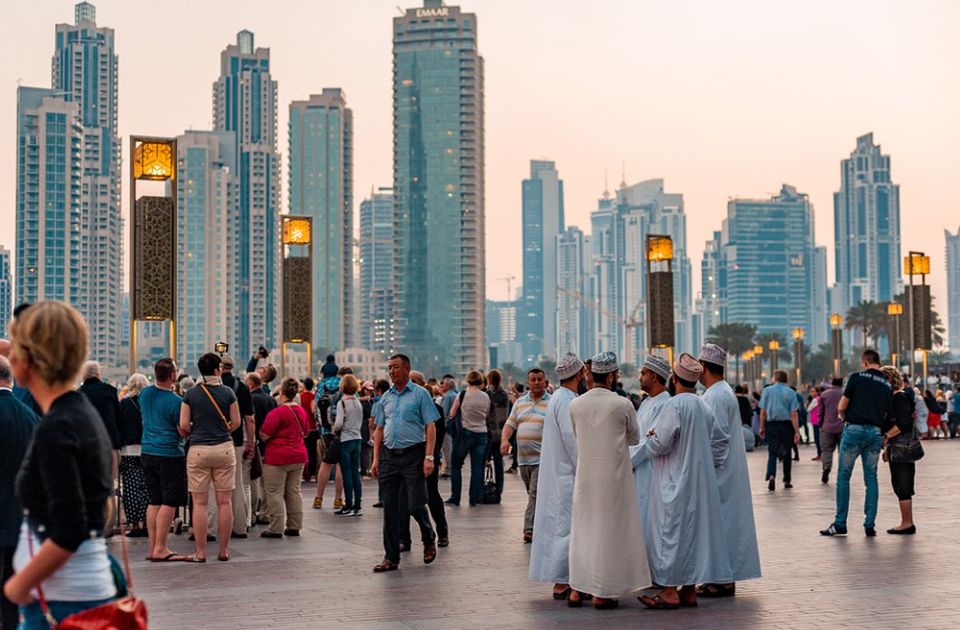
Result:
x=758 y=361
x=153 y=238
x=774 y=351
x=660 y=320
x=918 y=302
x=296 y=236
x=798 y=353
x=895 y=311
x=748 y=365
x=836 y=338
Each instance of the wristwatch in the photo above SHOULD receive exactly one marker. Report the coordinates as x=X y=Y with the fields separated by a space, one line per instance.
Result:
x=429 y=458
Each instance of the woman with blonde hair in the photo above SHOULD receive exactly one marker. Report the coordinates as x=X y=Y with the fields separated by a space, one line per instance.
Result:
x=66 y=480
x=473 y=405
x=284 y=457
x=900 y=442
x=133 y=483
x=349 y=426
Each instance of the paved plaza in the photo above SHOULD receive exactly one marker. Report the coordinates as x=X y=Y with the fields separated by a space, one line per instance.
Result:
x=324 y=579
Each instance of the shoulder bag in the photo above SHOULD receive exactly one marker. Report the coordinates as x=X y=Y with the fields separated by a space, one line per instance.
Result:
x=905 y=448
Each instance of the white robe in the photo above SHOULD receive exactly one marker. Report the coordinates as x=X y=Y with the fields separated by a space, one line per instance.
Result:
x=607 y=553
x=733 y=480
x=642 y=468
x=550 y=555
x=687 y=544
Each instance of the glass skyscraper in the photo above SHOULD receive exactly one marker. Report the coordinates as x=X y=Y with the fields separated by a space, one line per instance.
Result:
x=207 y=187
x=6 y=288
x=573 y=318
x=376 y=271
x=245 y=103
x=321 y=187
x=50 y=236
x=953 y=290
x=438 y=162
x=867 y=228
x=85 y=72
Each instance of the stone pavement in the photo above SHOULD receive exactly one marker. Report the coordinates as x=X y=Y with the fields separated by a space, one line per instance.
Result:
x=323 y=579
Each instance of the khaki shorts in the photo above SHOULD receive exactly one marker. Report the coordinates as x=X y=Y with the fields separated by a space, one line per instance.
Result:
x=217 y=462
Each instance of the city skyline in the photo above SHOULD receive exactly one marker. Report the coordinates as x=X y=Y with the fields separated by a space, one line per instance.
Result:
x=909 y=123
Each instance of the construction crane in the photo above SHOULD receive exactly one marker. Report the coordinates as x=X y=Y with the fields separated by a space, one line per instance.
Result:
x=508 y=279
x=628 y=323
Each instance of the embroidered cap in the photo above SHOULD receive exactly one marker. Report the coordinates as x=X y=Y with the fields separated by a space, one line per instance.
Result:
x=568 y=366
x=604 y=363
x=687 y=368
x=658 y=365
x=712 y=353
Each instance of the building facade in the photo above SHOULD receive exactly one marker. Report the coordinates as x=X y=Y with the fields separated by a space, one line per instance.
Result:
x=84 y=72
x=501 y=334
x=711 y=304
x=542 y=217
x=438 y=160
x=6 y=288
x=573 y=318
x=49 y=222
x=376 y=271
x=867 y=228
x=321 y=187
x=245 y=103
x=953 y=291
x=207 y=256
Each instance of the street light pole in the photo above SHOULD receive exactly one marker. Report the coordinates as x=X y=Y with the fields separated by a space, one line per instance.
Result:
x=837 y=338
x=798 y=353
x=895 y=310
x=774 y=350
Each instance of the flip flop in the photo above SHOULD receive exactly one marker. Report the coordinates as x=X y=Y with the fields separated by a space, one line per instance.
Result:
x=194 y=559
x=657 y=603
x=223 y=557
x=170 y=557
x=562 y=594
x=717 y=590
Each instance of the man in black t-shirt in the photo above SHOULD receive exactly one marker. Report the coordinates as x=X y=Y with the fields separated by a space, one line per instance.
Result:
x=866 y=402
x=244 y=449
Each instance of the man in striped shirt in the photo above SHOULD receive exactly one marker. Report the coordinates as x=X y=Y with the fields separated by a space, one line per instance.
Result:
x=526 y=420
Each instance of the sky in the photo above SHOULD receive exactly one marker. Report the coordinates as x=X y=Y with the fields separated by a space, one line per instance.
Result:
x=720 y=99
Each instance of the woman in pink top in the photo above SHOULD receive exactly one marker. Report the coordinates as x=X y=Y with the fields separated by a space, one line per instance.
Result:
x=813 y=411
x=283 y=431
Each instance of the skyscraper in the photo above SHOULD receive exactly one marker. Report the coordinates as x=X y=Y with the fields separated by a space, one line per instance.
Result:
x=867 y=228
x=245 y=103
x=542 y=218
x=572 y=317
x=438 y=171
x=85 y=72
x=321 y=187
x=712 y=304
x=953 y=290
x=769 y=256
x=819 y=332
x=376 y=271
x=50 y=236
x=607 y=329
x=6 y=288
x=207 y=252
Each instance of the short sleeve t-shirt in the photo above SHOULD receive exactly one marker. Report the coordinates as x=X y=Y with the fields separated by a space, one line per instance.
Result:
x=870 y=396
x=286 y=425
x=404 y=414
x=209 y=427
x=526 y=419
x=160 y=409
x=473 y=411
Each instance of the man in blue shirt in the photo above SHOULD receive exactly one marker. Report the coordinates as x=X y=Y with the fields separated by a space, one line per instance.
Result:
x=161 y=452
x=403 y=447
x=779 y=427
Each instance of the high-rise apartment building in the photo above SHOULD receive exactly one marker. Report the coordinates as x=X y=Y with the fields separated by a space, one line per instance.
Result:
x=867 y=228
x=245 y=103
x=438 y=166
x=573 y=319
x=953 y=290
x=51 y=258
x=207 y=255
x=6 y=289
x=819 y=332
x=321 y=187
x=376 y=271
x=712 y=304
x=84 y=72
x=501 y=333
x=542 y=217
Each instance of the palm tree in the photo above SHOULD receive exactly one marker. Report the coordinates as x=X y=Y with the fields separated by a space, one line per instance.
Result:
x=735 y=337
x=870 y=318
x=511 y=373
x=764 y=339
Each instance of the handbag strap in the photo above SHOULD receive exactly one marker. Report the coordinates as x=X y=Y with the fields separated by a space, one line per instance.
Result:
x=215 y=406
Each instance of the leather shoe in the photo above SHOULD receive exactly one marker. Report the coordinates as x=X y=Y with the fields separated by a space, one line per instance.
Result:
x=907 y=531
x=429 y=553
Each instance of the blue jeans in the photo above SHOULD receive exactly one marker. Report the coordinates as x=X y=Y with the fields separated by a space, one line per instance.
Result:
x=863 y=441
x=476 y=445
x=350 y=469
x=33 y=618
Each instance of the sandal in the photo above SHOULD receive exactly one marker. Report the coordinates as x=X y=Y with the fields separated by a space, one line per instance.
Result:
x=170 y=557
x=657 y=603
x=385 y=566
x=194 y=558
x=575 y=599
x=717 y=590
x=562 y=594
x=604 y=603
x=223 y=557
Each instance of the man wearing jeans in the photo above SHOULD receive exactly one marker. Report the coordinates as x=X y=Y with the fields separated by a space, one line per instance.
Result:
x=403 y=457
x=866 y=401
x=778 y=426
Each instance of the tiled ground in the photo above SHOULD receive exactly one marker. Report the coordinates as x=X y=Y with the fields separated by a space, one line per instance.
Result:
x=324 y=578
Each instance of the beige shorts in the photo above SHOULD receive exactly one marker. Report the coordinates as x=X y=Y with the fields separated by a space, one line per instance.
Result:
x=217 y=462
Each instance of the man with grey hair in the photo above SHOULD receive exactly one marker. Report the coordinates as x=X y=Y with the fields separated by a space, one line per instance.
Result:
x=103 y=396
x=448 y=394
x=17 y=423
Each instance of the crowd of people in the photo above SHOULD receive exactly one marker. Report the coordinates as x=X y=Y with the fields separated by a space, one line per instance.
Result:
x=646 y=494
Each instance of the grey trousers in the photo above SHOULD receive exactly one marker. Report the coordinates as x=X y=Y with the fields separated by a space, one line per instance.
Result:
x=530 y=474
x=828 y=444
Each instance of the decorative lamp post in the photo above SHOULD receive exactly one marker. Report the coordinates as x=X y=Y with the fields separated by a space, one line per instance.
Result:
x=297 y=239
x=758 y=362
x=748 y=365
x=774 y=351
x=895 y=310
x=918 y=301
x=660 y=324
x=798 y=353
x=836 y=321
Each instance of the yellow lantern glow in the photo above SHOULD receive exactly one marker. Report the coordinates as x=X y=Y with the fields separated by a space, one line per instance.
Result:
x=774 y=344
x=757 y=350
x=659 y=248
x=798 y=333
x=894 y=308
x=153 y=161
x=916 y=264
x=296 y=231
x=836 y=320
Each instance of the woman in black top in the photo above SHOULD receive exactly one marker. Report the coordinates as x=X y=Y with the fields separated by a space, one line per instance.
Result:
x=133 y=484
x=66 y=479
x=900 y=428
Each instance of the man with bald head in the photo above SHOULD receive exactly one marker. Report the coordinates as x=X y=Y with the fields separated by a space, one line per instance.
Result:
x=17 y=422
x=20 y=393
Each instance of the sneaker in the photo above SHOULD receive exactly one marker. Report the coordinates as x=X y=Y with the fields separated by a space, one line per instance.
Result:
x=771 y=484
x=342 y=511
x=338 y=503
x=825 y=477
x=357 y=512
x=815 y=459
x=835 y=530
x=378 y=504
x=870 y=532
x=270 y=535
x=318 y=503
x=787 y=484
x=291 y=532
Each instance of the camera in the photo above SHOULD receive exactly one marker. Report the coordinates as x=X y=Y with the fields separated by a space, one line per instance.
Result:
x=263 y=352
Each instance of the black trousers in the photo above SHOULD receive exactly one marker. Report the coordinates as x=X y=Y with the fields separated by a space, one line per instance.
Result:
x=401 y=479
x=780 y=446
x=434 y=503
x=10 y=611
x=310 y=470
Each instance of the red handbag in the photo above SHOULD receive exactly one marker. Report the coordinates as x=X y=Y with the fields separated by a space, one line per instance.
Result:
x=126 y=613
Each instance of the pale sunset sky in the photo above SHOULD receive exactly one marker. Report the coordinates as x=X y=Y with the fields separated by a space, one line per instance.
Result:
x=721 y=99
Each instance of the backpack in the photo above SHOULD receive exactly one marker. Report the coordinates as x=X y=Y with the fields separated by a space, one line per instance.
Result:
x=328 y=394
x=498 y=414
